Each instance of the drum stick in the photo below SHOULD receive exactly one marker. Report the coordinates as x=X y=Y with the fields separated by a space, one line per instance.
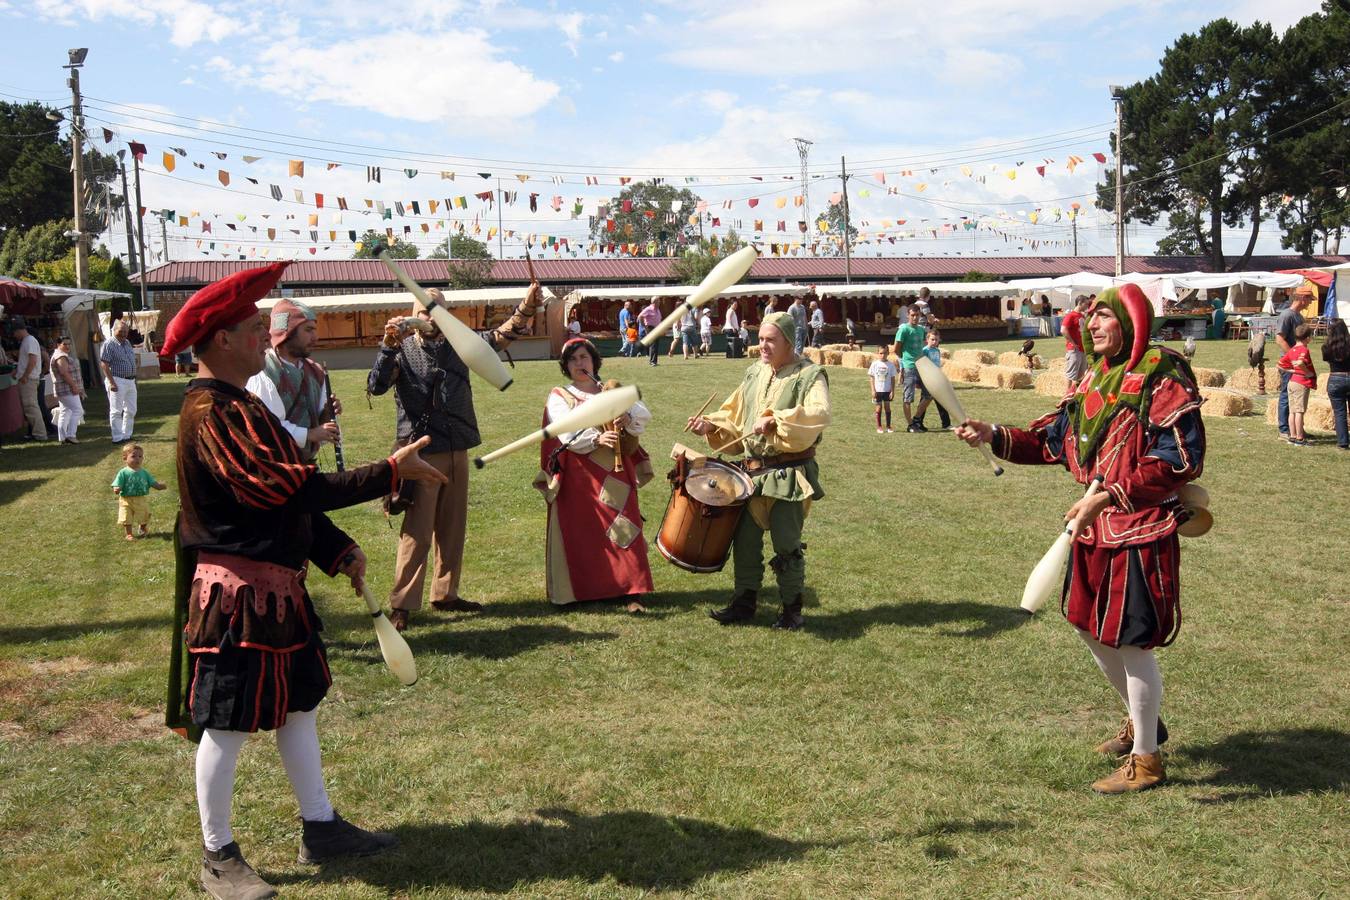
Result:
x=701 y=410
x=733 y=443
x=724 y=275
x=397 y=655
x=941 y=388
x=1047 y=574
x=477 y=353
x=594 y=413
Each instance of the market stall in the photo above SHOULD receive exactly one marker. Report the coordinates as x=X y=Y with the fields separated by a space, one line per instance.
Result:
x=965 y=310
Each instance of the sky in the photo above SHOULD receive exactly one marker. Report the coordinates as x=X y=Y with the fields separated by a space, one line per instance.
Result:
x=557 y=92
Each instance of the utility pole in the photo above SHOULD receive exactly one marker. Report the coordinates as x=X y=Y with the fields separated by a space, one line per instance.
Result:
x=76 y=58
x=848 y=257
x=140 y=228
x=164 y=238
x=803 y=151
x=126 y=211
x=1118 y=95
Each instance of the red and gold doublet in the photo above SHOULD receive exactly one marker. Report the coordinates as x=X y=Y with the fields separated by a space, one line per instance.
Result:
x=253 y=518
x=1122 y=585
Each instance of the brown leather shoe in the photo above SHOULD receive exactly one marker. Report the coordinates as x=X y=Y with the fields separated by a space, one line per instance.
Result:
x=398 y=618
x=459 y=604
x=1138 y=774
x=1123 y=742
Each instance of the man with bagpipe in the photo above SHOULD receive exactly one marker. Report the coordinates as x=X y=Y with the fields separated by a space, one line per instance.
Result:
x=252 y=520
x=294 y=387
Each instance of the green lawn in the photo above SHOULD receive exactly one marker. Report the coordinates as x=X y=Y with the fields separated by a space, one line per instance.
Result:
x=921 y=737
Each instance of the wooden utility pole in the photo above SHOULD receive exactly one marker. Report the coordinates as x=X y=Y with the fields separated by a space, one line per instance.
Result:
x=126 y=211
x=140 y=227
x=848 y=257
x=164 y=238
x=77 y=167
x=1118 y=95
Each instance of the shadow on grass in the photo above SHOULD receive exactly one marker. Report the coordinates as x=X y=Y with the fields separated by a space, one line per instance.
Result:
x=635 y=849
x=1264 y=763
x=938 y=849
x=430 y=636
x=982 y=620
x=12 y=489
x=35 y=634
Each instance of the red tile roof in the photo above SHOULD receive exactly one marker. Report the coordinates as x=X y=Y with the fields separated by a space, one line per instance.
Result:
x=642 y=270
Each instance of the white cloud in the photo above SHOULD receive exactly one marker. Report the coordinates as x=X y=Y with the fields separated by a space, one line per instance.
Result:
x=616 y=56
x=570 y=25
x=1279 y=13
x=470 y=80
x=189 y=22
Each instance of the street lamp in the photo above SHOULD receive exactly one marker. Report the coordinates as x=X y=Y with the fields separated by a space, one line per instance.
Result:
x=1118 y=97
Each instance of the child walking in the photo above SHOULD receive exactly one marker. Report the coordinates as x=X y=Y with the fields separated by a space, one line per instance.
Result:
x=932 y=350
x=882 y=373
x=1298 y=360
x=132 y=487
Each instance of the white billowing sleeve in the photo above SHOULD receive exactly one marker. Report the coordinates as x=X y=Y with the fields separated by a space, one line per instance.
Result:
x=583 y=441
x=638 y=417
x=262 y=387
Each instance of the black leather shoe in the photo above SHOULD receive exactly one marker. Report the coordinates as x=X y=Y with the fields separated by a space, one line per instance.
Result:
x=340 y=839
x=226 y=876
x=790 y=619
x=741 y=609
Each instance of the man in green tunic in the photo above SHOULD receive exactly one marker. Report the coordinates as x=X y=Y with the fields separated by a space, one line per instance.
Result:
x=776 y=417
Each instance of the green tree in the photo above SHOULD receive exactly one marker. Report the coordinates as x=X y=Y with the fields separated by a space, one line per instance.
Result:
x=651 y=207
x=470 y=261
x=23 y=248
x=372 y=242
x=1311 y=146
x=34 y=167
x=833 y=217
x=1196 y=137
x=105 y=274
x=695 y=263
x=975 y=275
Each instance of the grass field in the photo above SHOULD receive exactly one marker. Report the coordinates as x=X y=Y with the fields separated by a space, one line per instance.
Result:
x=921 y=737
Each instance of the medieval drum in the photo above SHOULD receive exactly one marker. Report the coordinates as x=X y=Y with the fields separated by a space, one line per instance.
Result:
x=706 y=503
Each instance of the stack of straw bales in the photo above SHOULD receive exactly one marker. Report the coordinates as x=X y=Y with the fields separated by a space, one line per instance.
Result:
x=1209 y=377
x=1005 y=378
x=856 y=359
x=969 y=373
x=834 y=357
x=1052 y=384
x=1248 y=380
x=976 y=357
x=1318 y=417
x=1224 y=402
x=1014 y=360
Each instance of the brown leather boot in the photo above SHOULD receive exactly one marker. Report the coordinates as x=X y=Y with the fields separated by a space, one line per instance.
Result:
x=1123 y=742
x=398 y=618
x=1138 y=774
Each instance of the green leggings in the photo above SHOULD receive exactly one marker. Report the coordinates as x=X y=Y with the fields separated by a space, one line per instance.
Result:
x=785 y=532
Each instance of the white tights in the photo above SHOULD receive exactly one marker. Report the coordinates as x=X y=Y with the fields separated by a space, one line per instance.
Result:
x=1134 y=673
x=218 y=755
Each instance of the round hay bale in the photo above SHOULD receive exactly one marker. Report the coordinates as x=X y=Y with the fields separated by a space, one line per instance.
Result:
x=968 y=373
x=1052 y=384
x=834 y=357
x=1014 y=360
x=1210 y=377
x=856 y=359
x=975 y=357
x=1005 y=378
x=1225 y=403
x=1058 y=364
x=1248 y=380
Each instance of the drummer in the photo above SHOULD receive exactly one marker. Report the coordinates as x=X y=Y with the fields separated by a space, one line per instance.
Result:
x=776 y=417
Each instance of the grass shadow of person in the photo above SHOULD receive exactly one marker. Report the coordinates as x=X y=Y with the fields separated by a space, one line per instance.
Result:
x=12 y=489
x=65 y=631
x=1254 y=764
x=634 y=849
x=983 y=620
x=429 y=636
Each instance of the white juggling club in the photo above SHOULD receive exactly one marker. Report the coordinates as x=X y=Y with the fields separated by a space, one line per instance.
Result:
x=397 y=654
x=1047 y=576
x=724 y=275
x=941 y=388
x=601 y=408
x=476 y=353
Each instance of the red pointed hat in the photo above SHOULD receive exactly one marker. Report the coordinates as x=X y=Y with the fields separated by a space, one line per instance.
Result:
x=221 y=304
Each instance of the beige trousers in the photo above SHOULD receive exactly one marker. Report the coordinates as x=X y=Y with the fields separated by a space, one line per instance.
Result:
x=438 y=515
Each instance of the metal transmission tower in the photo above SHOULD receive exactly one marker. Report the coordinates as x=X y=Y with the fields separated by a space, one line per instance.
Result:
x=803 y=151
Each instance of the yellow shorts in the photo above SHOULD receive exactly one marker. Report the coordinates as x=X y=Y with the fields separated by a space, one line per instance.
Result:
x=133 y=510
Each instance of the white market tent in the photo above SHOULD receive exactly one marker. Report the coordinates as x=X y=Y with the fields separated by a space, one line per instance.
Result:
x=404 y=300
x=978 y=289
x=1159 y=288
x=680 y=291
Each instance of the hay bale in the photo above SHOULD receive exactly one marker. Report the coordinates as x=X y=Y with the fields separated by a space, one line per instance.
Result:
x=1014 y=360
x=976 y=357
x=945 y=353
x=1058 y=364
x=1052 y=384
x=1319 y=416
x=856 y=359
x=840 y=347
x=833 y=357
x=1209 y=377
x=1223 y=402
x=968 y=373
x=1273 y=411
x=1005 y=378
x=1248 y=380
x=894 y=360
x=814 y=354
x=752 y=350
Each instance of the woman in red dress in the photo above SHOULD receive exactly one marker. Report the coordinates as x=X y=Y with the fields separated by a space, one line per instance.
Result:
x=590 y=480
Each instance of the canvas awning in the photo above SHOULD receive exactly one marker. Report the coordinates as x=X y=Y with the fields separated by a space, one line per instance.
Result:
x=403 y=300
x=680 y=291
x=972 y=289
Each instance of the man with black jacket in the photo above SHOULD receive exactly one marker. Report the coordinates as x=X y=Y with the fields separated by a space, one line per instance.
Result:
x=433 y=397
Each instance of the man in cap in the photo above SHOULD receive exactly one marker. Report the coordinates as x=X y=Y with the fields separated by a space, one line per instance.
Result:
x=293 y=386
x=252 y=520
x=117 y=359
x=28 y=371
x=779 y=413
x=1289 y=319
x=1132 y=422
x=433 y=398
